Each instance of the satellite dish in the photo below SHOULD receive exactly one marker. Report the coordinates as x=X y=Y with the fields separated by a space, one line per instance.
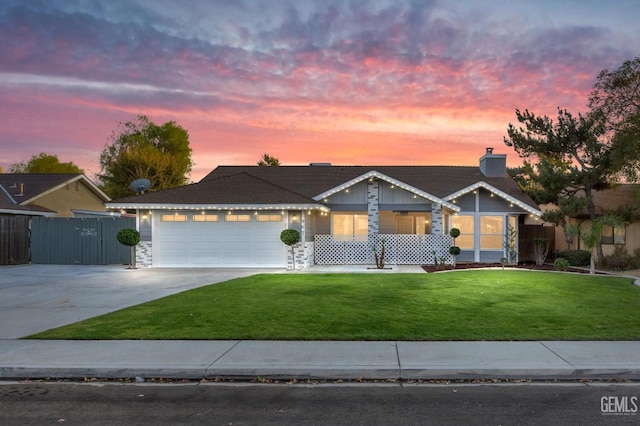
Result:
x=140 y=185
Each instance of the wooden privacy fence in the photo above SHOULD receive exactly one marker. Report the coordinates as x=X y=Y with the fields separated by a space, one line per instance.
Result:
x=526 y=238
x=80 y=241
x=14 y=240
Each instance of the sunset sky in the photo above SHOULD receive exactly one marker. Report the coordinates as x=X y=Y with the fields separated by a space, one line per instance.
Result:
x=347 y=82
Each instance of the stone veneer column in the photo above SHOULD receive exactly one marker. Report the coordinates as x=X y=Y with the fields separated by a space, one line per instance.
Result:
x=144 y=257
x=373 y=208
x=436 y=218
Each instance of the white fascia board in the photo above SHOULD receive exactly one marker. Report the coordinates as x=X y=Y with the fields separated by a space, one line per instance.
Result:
x=254 y=207
x=381 y=176
x=496 y=191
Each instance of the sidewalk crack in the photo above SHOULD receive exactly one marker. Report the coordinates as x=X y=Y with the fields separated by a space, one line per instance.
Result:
x=558 y=355
x=225 y=352
x=399 y=363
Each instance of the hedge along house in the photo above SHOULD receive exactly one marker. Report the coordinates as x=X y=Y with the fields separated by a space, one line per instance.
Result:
x=234 y=216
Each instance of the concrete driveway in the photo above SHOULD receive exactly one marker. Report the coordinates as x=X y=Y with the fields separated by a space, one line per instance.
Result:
x=35 y=298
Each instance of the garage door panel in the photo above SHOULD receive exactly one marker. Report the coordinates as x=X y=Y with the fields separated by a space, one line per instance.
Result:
x=239 y=244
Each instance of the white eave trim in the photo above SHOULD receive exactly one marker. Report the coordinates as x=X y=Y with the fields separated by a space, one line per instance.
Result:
x=254 y=207
x=496 y=191
x=373 y=174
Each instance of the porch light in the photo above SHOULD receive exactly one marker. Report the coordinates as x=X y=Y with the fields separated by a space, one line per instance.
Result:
x=346 y=190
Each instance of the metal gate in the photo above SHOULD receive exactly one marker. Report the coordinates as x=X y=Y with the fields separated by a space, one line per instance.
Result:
x=14 y=240
x=79 y=241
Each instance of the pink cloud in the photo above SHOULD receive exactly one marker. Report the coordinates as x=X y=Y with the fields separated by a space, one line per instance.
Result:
x=357 y=83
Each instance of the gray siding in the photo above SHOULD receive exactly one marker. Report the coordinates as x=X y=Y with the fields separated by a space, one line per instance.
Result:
x=494 y=204
x=467 y=202
x=309 y=222
x=389 y=195
x=322 y=224
x=491 y=256
x=357 y=195
x=144 y=225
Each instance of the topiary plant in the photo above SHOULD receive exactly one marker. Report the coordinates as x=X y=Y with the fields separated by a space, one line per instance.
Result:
x=455 y=233
x=454 y=250
x=291 y=237
x=129 y=237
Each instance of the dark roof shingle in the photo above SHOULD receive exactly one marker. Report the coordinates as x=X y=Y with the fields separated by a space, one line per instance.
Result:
x=299 y=184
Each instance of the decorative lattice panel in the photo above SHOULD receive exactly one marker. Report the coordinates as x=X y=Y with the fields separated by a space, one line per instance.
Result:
x=399 y=249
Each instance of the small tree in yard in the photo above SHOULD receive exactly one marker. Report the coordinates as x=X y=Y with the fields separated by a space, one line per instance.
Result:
x=454 y=250
x=290 y=237
x=592 y=236
x=129 y=237
x=379 y=258
x=541 y=250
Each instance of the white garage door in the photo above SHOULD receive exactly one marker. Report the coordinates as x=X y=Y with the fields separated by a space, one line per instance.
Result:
x=220 y=240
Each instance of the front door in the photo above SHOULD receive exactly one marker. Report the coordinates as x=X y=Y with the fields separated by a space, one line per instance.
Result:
x=405 y=225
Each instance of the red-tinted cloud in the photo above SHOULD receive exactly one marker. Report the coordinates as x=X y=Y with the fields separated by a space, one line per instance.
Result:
x=379 y=82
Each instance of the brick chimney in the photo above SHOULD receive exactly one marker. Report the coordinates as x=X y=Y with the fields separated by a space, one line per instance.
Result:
x=493 y=165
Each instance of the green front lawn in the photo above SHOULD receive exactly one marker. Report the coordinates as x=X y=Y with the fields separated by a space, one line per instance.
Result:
x=464 y=305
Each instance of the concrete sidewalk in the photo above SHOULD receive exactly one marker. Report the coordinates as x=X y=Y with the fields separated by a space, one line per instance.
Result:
x=34 y=298
x=34 y=359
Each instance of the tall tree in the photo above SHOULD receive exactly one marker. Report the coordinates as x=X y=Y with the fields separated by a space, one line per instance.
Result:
x=615 y=100
x=267 y=160
x=44 y=163
x=143 y=149
x=564 y=162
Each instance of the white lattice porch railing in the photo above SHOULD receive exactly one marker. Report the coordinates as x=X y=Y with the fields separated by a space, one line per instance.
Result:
x=401 y=249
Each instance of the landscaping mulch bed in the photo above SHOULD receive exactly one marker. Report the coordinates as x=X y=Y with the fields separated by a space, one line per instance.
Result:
x=529 y=266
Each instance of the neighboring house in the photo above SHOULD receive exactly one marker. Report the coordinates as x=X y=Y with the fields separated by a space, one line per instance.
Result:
x=621 y=196
x=51 y=194
x=234 y=216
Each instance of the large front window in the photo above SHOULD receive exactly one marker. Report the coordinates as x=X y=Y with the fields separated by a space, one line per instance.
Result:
x=466 y=226
x=491 y=232
x=349 y=226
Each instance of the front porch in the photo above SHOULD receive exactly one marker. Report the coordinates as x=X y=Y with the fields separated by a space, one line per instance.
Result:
x=400 y=249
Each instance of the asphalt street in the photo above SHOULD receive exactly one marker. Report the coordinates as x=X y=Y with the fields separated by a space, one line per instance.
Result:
x=319 y=404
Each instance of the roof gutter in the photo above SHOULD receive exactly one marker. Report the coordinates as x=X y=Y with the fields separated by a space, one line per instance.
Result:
x=254 y=207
